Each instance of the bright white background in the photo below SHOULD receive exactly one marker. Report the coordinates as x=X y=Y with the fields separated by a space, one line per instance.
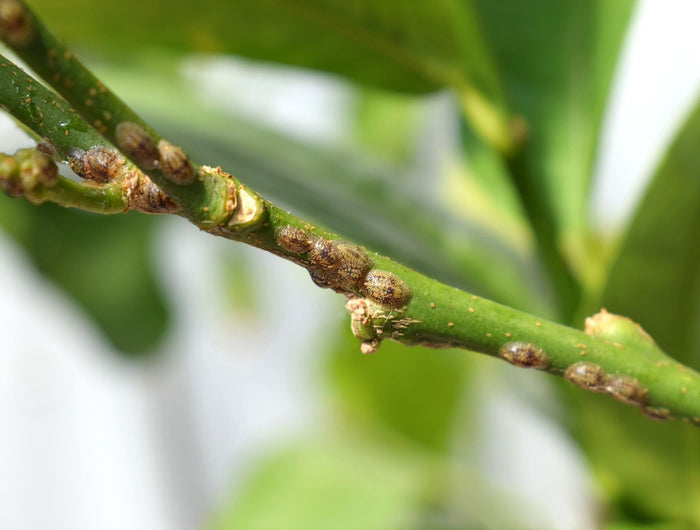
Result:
x=90 y=442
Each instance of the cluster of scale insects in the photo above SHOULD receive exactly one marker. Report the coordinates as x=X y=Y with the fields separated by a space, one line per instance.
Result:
x=101 y=165
x=345 y=267
x=587 y=375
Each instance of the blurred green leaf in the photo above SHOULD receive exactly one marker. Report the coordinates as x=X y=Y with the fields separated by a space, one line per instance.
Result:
x=334 y=486
x=655 y=276
x=649 y=472
x=385 y=123
x=651 y=526
x=411 y=391
x=410 y=46
x=653 y=470
x=103 y=262
x=556 y=61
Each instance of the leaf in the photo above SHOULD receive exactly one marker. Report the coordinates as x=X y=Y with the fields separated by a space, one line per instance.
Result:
x=654 y=278
x=411 y=46
x=556 y=60
x=335 y=486
x=648 y=471
x=413 y=392
x=386 y=123
x=653 y=470
x=103 y=262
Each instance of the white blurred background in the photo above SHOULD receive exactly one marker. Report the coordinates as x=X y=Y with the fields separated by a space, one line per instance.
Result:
x=88 y=441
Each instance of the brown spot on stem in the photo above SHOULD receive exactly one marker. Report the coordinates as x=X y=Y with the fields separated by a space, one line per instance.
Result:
x=137 y=143
x=293 y=239
x=524 y=354
x=587 y=375
x=16 y=24
x=657 y=413
x=145 y=196
x=99 y=164
x=175 y=164
x=386 y=289
x=626 y=389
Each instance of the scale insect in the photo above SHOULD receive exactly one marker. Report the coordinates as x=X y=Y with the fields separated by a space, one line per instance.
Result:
x=386 y=289
x=524 y=354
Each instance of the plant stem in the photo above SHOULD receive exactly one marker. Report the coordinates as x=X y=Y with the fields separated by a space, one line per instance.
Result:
x=99 y=106
x=386 y=300
x=33 y=175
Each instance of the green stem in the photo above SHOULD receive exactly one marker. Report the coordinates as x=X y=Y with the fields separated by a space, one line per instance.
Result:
x=106 y=199
x=386 y=299
x=32 y=174
x=47 y=114
x=59 y=67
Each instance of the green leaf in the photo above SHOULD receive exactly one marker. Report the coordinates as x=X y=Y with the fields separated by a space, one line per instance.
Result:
x=653 y=470
x=655 y=276
x=412 y=392
x=649 y=472
x=556 y=60
x=334 y=486
x=411 y=46
x=386 y=123
x=103 y=262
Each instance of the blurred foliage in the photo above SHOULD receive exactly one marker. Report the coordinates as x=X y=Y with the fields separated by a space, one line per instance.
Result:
x=409 y=391
x=471 y=220
x=339 y=484
x=103 y=262
x=660 y=253
x=556 y=61
x=429 y=45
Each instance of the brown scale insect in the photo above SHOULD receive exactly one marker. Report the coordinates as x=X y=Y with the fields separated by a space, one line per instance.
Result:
x=587 y=375
x=99 y=164
x=524 y=354
x=293 y=239
x=175 y=164
x=16 y=23
x=323 y=278
x=386 y=289
x=353 y=267
x=657 y=413
x=626 y=389
x=326 y=253
x=338 y=264
x=145 y=196
x=137 y=143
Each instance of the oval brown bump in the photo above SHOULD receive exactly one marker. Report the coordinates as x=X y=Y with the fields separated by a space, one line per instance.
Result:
x=175 y=164
x=137 y=143
x=16 y=23
x=627 y=389
x=325 y=254
x=657 y=413
x=587 y=375
x=387 y=289
x=293 y=239
x=98 y=164
x=323 y=278
x=524 y=354
x=353 y=267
